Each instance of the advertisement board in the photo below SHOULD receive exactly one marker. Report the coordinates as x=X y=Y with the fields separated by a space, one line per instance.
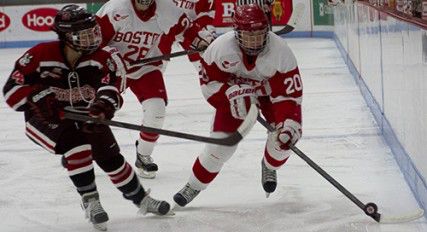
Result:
x=281 y=12
x=323 y=14
x=28 y=23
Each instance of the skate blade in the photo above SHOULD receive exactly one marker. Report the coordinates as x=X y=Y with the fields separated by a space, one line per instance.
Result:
x=146 y=175
x=267 y=194
x=176 y=207
x=145 y=213
x=170 y=213
x=101 y=226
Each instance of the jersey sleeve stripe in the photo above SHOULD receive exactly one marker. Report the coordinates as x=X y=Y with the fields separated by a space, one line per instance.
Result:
x=17 y=96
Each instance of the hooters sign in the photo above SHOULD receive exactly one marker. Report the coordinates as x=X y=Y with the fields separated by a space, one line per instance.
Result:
x=4 y=21
x=40 y=19
x=281 y=11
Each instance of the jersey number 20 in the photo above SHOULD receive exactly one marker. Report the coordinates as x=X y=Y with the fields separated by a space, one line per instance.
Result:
x=293 y=84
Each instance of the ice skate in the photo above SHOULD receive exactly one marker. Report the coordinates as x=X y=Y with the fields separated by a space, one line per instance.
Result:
x=151 y=205
x=185 y=195
x=268 y=179
x=145 y=165
x=94 y=211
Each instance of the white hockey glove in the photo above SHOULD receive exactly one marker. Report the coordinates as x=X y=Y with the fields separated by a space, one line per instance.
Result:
x=241 y=97
x=212 y=30
x=202 y=40
x=289 y=133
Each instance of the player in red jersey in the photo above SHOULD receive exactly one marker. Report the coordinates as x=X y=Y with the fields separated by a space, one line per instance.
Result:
x=74 y=73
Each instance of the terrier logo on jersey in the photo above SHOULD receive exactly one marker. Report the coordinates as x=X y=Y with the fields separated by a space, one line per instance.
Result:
x=226 y=64
x=118 y=17
x=26 y=59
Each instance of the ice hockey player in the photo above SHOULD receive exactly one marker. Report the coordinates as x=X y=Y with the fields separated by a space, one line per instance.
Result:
x=75 y=74
x=202 y=13
x=248 y=65
x=142 y=29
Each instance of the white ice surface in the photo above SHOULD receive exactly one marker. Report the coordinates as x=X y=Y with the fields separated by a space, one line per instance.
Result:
x=340 y=134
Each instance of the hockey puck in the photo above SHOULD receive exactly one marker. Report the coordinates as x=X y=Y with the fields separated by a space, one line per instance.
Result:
x=371 y=209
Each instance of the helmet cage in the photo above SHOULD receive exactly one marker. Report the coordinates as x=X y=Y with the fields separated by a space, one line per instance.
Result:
x=252 y=42
x=86 y=40
x=78 y=28
x=251 y=28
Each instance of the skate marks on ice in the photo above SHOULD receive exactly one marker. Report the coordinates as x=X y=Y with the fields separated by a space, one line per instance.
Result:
x=287 y=209
x=279 y=213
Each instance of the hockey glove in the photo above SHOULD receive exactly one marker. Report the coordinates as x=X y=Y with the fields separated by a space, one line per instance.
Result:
x=289 y=133
x=241 y=97
x=101 y=109
x=202 y=40
x=43 y=105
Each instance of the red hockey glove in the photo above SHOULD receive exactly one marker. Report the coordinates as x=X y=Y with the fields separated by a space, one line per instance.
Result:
x=289 y=133
x=43 y=105
x=241 y=97
x=101 y=109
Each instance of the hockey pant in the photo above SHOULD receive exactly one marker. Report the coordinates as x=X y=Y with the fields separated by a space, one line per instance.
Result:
x=210 y=161
x=80 y=149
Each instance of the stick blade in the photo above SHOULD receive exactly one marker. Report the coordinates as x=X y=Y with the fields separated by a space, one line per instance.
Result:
x=285 y=30
x=395 y=219
x=297 y=13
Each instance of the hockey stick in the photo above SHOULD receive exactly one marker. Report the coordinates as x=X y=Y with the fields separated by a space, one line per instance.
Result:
x=166 y=57
x=231 y=140
x=286 y=29
x=293 y=21
x=370 y=209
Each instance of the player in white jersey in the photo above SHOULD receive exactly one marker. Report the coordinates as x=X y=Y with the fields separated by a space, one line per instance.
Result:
x=141 y=29
x=248 y=65
x=201 y=12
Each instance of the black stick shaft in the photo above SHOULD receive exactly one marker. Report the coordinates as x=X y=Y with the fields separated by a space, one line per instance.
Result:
x=329 y=178
x=324 y=174
x=286 y=29
x=229 y=141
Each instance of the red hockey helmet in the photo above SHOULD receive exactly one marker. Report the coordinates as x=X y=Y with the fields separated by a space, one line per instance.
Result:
x=78 y=28
x=251 y=28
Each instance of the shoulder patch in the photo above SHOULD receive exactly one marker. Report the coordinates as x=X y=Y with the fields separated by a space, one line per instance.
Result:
x=25 y=59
